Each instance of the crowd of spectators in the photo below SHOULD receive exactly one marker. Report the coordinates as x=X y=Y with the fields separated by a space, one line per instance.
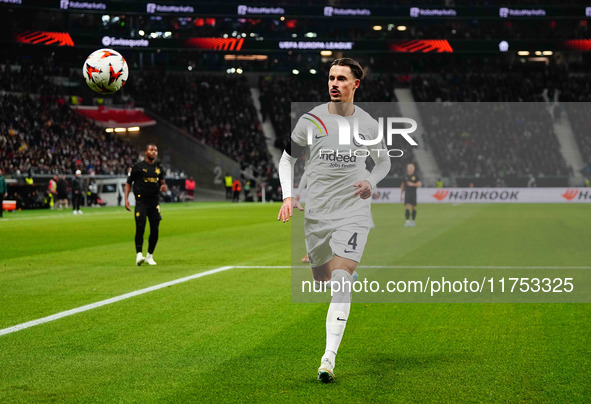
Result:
x=360 y=30
x=576 y=91
x=523 y=143
x=41 y=131
x=22 y=76
x=580 y=120
x=43 y=134
x=480 y=87
x=493 y=140
x=217 y=110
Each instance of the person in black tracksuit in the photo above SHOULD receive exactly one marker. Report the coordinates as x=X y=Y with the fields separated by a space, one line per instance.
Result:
x=409 y=188
x=77 y=193
x=147 y=178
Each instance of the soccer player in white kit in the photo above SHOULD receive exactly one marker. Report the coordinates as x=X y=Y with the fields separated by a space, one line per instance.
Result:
x=338 y=211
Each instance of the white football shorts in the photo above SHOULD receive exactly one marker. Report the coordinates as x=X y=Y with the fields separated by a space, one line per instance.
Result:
x=343 y=237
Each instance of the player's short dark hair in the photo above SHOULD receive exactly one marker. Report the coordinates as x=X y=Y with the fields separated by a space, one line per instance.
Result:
x=354 y=65
x=150 y=144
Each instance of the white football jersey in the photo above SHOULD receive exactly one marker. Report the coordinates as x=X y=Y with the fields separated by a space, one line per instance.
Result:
x=333 y=168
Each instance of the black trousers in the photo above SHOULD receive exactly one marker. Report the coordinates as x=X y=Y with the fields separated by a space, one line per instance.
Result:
x=150 y=210
x=76 y=200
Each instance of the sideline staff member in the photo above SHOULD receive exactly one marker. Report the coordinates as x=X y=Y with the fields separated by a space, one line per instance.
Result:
x=148 y=180
x=409 y=188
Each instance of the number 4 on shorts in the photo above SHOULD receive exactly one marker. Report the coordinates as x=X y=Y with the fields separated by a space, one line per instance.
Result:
x=353 y=241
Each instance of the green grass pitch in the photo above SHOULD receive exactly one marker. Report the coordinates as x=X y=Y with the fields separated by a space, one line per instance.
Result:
x=235 y=336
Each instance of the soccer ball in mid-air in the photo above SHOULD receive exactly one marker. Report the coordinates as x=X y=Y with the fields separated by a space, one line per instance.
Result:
x=105 y=71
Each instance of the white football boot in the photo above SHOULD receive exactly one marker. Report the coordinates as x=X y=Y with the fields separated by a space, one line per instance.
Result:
x=326 y=371
x=150 y=259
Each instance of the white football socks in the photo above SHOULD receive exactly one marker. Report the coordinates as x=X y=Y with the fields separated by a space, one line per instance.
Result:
x=338 y=311
x=321 y=286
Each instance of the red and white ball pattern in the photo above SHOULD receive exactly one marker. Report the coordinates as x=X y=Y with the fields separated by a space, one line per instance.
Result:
x=105 y=71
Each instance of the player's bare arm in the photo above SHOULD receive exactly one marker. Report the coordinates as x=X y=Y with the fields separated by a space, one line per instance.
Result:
x=127 y=190
x=401 y=191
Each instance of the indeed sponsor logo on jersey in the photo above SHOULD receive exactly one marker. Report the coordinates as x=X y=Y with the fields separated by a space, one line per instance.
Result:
x=335 y=156
x=353 y=154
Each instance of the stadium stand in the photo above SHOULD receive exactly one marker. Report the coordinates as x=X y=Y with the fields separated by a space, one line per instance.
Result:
x=25 y=76
x=580 y=122
x=479 y=87
x=216 y=110
x=486 y=148
x=43 y=134
x=489 y=140
x=575 y=90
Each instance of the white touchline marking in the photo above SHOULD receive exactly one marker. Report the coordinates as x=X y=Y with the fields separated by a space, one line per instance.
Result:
x=109 y=301
x=465 y=267
x=419 y=267
x=221 y=269
x=265 y=266
x=61 y=216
